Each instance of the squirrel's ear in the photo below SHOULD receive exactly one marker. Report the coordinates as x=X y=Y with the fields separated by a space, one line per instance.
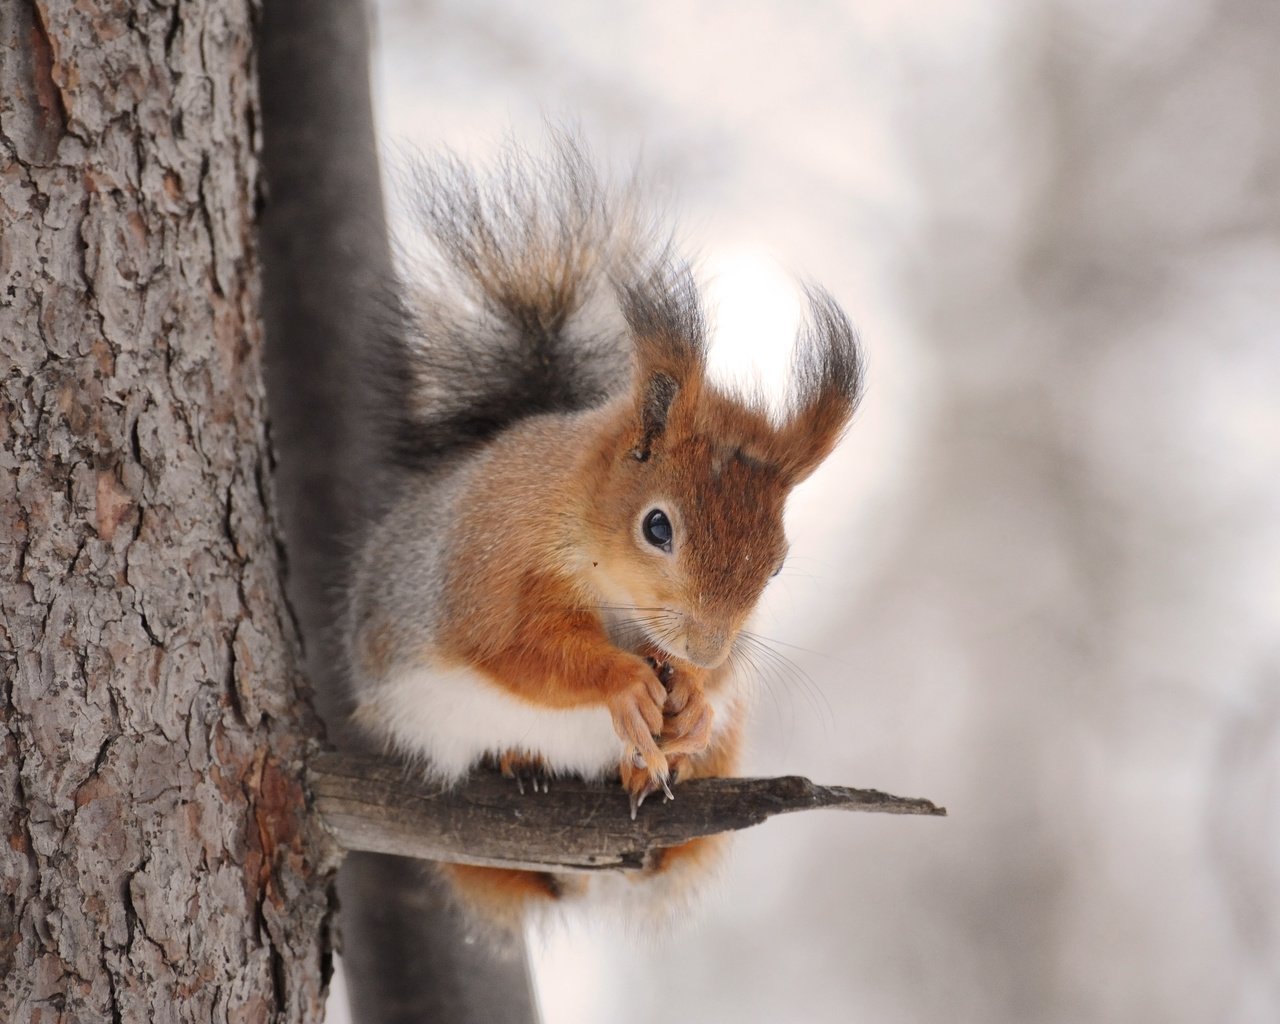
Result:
x=669 y=332
x=827 y=386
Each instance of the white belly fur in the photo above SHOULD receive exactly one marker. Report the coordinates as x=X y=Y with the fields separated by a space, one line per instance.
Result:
x=453 y=718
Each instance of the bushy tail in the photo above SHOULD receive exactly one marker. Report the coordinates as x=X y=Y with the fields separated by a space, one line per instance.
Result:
x=507 y=303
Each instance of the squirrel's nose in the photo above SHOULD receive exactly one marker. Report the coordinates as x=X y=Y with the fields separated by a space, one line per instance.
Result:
x=706 y=646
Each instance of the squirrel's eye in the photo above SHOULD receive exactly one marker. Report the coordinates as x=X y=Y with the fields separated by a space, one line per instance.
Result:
x=657 y=529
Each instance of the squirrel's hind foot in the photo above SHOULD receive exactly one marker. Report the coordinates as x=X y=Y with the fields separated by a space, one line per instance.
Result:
x=528 y=770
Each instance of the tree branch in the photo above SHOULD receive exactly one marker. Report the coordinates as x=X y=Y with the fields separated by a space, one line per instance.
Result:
x=378 y=805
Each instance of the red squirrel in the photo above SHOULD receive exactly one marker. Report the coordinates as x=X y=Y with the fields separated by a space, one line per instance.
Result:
x=585 y=521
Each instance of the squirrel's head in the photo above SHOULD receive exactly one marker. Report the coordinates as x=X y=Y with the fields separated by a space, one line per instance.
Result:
x=689 y=508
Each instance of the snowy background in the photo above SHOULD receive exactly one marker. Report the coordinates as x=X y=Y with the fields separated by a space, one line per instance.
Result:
x=1040 y=582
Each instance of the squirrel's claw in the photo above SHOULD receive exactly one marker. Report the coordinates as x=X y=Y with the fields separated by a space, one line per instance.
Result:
x=538 y=782
x=638 y=795
x=640 y=783
x=526 y=769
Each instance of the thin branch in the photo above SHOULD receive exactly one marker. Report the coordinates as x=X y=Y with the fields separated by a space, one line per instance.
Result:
x=383 y=806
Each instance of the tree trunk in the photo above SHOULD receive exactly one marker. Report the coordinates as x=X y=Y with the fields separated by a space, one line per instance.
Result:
x=158 y=863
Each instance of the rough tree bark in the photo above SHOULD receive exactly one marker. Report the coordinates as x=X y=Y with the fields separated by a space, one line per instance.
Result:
x=156 y=862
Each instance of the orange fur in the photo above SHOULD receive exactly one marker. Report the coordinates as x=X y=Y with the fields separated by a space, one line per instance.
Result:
x=504 y=896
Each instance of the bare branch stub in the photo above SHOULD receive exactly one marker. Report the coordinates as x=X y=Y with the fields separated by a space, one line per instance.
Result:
x=385 y=806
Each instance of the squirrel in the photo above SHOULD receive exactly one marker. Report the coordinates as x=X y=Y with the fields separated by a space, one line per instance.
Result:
x=584 y=521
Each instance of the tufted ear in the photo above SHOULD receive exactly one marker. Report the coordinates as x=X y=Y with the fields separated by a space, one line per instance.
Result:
x=669 y=333
x=827 y=385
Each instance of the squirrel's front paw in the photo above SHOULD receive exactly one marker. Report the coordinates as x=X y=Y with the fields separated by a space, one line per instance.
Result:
x=686 y=726
x=687 y=714
x=636 y=708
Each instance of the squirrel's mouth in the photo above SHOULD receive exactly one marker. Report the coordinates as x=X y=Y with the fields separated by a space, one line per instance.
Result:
x=702 y=645
x=671 y=631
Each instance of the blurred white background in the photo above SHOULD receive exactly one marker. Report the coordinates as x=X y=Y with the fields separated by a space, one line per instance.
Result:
x=1040 y=582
